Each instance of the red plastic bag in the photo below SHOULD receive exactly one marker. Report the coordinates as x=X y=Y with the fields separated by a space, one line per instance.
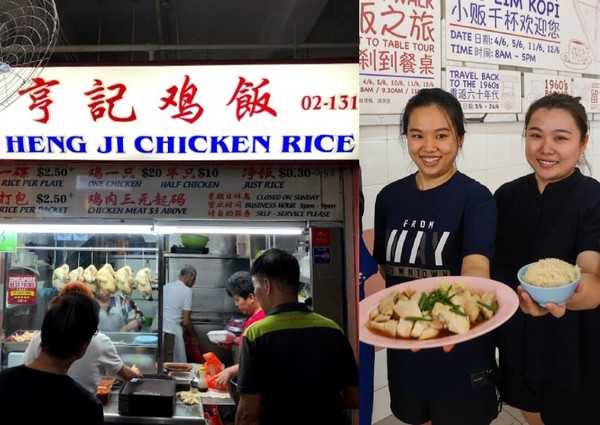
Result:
x=193 y=351
x=213 y=366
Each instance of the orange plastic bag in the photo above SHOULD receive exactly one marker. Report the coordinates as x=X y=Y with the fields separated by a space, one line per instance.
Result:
x=213 y=366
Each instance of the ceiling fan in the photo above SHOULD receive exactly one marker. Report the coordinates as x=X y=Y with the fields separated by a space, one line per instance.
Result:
x=28 y=34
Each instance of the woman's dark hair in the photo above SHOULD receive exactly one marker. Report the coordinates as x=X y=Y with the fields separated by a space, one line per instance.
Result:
x=280 y=266
x=565 y=102
x=240 y=283
x=70 y=322
x=568 y=104
x=449 y=105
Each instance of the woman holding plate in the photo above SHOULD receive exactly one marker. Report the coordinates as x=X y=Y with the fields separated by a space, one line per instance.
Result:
x=549 y=363
x=437 y=222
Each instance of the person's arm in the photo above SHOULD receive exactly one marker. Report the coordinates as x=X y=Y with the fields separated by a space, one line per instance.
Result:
x=475 y=265
x=248 y=410
x=223 y=377
x=132 y=325
x=126 y=373
x=188 y=327
x=350 y=397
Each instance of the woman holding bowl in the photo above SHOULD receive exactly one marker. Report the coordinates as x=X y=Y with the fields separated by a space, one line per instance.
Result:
x=549 y=357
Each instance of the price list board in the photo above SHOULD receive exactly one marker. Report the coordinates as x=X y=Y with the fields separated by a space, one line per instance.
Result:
x=280 y=193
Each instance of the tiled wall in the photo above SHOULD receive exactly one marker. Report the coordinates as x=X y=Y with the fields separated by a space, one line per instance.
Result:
x=493 y=153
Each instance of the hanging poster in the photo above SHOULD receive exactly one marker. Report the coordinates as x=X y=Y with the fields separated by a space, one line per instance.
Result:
x=21 y=289
x=539 y=85
x=399 y=52
x=485 y=90
x=589 y=91
x=541 y=34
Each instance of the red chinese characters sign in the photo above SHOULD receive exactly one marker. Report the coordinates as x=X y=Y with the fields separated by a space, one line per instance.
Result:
x=284 y=112
x=399 y=52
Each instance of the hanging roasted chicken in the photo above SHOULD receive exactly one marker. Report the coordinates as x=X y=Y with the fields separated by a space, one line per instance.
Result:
x=125 y=281
x=106 y=278
x=89 y=277
x=60 y=276
x=144 y=281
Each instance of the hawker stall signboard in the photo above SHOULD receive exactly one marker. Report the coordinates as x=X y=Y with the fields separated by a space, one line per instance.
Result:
x=185 y=113
x=399 y=52
x=118 y=191
x=541 y=34
x=485 y=90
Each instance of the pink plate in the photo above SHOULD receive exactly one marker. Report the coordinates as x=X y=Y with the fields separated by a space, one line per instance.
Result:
x=508 y=302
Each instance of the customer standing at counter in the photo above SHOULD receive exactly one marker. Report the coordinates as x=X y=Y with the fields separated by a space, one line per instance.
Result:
x=549 y=363
x=296 y=366
x=437 y=222
x=239 y=287
x=67 y=329
x=100 y=358
x=177 y=315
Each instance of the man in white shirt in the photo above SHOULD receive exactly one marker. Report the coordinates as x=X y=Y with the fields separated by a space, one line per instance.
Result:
x=177 y=312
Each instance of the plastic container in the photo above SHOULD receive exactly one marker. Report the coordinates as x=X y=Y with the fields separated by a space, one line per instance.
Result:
x=201 y=384
x=183 y=380
x=223 y=336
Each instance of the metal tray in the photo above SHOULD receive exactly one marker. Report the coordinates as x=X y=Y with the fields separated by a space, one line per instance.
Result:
x=11 y=346
x=128 y=338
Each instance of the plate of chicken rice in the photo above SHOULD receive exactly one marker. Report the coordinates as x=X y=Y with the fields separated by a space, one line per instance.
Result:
x=433 y=312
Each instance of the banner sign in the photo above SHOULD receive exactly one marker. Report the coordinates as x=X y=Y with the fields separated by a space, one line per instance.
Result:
x=485 y=90
x=589 y=91
x=541 y=34
x=171 y=191
x=21 y=289
x=539 y=85
x=185 y=113
x=399 y=52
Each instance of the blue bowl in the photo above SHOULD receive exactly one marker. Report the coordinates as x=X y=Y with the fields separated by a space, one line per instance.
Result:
x=544 y=294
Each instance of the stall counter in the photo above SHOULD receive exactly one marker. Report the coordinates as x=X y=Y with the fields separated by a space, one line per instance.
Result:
x=183 y=415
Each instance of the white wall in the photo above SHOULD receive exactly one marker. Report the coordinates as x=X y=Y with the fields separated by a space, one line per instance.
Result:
x=493 y=153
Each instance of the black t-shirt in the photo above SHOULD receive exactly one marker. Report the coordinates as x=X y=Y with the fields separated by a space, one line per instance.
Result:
x=560 y=223
x=42 y=397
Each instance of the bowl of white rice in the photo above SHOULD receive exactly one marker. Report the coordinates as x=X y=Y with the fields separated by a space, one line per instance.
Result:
x=549 y=280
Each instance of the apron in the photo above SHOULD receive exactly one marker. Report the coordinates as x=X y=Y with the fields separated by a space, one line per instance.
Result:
x=174 y=328
x=112 y=321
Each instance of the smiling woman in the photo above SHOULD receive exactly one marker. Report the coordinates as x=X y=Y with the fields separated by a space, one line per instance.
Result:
x=437 y=222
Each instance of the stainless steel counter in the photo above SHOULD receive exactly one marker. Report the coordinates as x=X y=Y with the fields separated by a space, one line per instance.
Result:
x=184 y=415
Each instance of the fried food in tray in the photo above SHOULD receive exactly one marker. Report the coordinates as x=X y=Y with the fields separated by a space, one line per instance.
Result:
x=21 y=336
